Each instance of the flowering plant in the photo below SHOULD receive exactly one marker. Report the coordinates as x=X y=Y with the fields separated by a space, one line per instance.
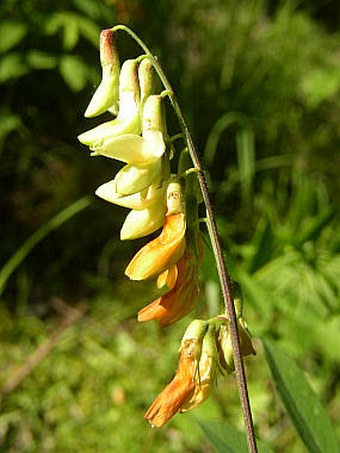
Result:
x=161 y=197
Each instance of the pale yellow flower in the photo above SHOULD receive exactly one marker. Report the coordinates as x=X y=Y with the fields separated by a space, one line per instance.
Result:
x=138 y=200
x=106 y=95
x=128 y=120
x=140 y=223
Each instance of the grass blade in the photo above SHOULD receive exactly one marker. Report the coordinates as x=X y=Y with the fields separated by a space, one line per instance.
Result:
x=54 y=223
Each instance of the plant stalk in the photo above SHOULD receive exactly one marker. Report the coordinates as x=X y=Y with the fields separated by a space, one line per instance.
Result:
x=216 y=245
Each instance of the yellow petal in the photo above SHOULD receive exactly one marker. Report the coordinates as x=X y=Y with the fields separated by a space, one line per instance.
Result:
x=106 y=95
x=137 y=201
x=134 y=178
x=168 y=278
x=141 y=223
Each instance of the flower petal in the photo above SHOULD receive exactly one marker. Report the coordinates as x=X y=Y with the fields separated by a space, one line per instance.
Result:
x=161 y=253
x=176 y=394
x=179 y=301
x=96 y=138
x=137 y=201
x=134 y=178
x=106 y=95
x=169 y=401
x=168 y=278
x=141 y=223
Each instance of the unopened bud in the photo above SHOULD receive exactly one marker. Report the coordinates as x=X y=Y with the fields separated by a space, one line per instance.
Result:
x=106 y=96
x=196 y=330
x=153 y=114
x=236 y=291
x=147 y=80
x=175 y=198
x=128 y=80
x=225 y=345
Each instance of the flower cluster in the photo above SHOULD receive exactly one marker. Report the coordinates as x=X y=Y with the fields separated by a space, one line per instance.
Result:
x=158 y=199
x=136 y=137
x=205 y=350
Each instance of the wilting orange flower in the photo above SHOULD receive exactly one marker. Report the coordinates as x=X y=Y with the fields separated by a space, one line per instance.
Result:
x=180 y=390
x=194 y=377
x=199 y=363
x=161 y=253
x=207 y=371
x=180 y=300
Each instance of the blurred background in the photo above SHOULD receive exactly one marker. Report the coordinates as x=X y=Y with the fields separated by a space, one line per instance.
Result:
x=259 y=83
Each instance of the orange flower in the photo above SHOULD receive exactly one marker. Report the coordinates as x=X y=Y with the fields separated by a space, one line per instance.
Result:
x=161 y=253
x=180 y=300
x=180 y=390
x=195 y=374
x=207 y=371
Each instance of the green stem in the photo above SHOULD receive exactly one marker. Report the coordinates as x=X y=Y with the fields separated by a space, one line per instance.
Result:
x=216 y=245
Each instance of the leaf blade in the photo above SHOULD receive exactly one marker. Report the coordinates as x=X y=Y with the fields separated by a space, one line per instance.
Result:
x=303 y=407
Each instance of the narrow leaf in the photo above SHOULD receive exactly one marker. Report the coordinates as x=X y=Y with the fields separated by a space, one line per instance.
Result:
x=302 y=405
x=55 y=222
x=226 y=439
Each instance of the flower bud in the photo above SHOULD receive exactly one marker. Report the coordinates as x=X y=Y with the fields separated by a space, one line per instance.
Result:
x=175 y=198
x=106 y=95
x=147 y=80
x=153 y=115
x=225 y=345
x=236 y=291
x=206 y=371
x=196 y=330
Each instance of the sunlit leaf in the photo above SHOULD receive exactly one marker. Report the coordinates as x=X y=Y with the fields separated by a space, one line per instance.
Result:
x=11 y=34
x=74 y=71
x=8 y=123
x=41 y=60
x=12 y=66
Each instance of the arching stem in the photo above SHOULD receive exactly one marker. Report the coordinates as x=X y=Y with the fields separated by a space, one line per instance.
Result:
x=216 y=245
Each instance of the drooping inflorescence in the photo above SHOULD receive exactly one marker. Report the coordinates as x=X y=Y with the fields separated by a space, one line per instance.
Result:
x=159 y=198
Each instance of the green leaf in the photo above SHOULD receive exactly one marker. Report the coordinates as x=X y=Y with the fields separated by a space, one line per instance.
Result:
x=264 y=242
x=226 y=439
x=8 y=124
x=74 y=71
x=11 y=34
x=314 y=229
x=246 y=162
x=41 y=60
x=12 y=66
x=302 y=405
x=96 y=10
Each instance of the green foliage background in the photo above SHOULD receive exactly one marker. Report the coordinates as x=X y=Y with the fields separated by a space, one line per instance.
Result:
x=259 y=83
